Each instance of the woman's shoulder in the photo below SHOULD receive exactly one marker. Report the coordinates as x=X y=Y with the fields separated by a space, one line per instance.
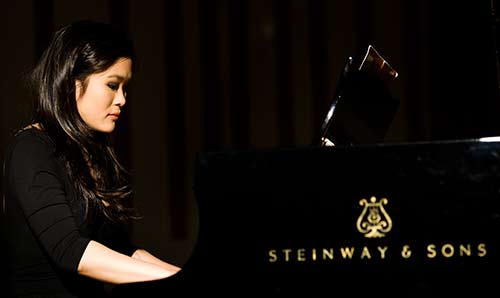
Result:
x=32 y=136
x=30 y=142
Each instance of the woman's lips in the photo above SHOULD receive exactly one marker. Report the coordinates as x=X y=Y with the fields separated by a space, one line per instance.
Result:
x=114 y=116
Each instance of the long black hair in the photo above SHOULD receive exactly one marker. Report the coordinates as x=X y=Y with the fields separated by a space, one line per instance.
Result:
x=76 y=51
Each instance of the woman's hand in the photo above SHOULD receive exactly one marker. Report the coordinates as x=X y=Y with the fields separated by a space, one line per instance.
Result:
x=104 y=264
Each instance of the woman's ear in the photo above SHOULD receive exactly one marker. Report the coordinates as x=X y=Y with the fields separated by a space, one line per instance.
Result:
x=78 y=89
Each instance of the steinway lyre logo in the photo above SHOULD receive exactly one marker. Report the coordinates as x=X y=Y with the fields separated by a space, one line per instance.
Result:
x=374 y=222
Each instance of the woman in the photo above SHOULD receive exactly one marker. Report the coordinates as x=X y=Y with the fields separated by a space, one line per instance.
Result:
x=67 y=198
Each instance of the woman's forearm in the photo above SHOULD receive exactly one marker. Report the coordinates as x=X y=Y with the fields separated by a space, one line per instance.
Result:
x=146 y=256
x=102 y=263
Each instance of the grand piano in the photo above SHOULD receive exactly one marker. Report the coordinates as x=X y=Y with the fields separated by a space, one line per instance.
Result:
x=349 y=215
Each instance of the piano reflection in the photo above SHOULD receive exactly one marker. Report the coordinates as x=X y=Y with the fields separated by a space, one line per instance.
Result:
x=362 y=108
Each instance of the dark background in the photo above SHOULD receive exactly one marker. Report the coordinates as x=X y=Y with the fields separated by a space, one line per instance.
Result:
x=233 y=74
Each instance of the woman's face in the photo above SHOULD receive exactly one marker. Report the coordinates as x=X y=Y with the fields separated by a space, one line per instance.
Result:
x=101 y=103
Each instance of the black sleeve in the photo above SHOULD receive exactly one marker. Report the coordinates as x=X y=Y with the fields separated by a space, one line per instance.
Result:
x=33 y=177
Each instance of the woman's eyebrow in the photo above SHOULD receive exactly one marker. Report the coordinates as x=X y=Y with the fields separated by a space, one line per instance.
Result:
x=119 y=77
x=115 y=76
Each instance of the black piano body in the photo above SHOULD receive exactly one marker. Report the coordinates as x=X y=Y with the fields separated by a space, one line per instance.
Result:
x=410 y=219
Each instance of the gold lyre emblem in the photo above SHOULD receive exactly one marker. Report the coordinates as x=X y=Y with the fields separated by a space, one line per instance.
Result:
x=374 y=221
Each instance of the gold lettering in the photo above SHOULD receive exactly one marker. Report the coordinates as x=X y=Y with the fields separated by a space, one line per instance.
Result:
x=301 y=252
x=382 y=251
x=328 y=254
x=431 y=251
x=347 y=252
x=481 y=247
x=406 y=252
x=447 y=250
x=287 y=254
x=365 y=253
x=272 y=256
x=465 y=250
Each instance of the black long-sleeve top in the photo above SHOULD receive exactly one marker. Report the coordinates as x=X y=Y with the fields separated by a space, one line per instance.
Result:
x=44 y=224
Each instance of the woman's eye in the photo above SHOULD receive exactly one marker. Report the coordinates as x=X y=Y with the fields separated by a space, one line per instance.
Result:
x=113 y=86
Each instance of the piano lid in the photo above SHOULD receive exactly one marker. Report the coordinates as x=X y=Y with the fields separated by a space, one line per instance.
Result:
x=362 y=108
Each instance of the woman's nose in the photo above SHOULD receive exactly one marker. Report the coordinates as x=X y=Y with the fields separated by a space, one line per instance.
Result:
x=120 y=98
